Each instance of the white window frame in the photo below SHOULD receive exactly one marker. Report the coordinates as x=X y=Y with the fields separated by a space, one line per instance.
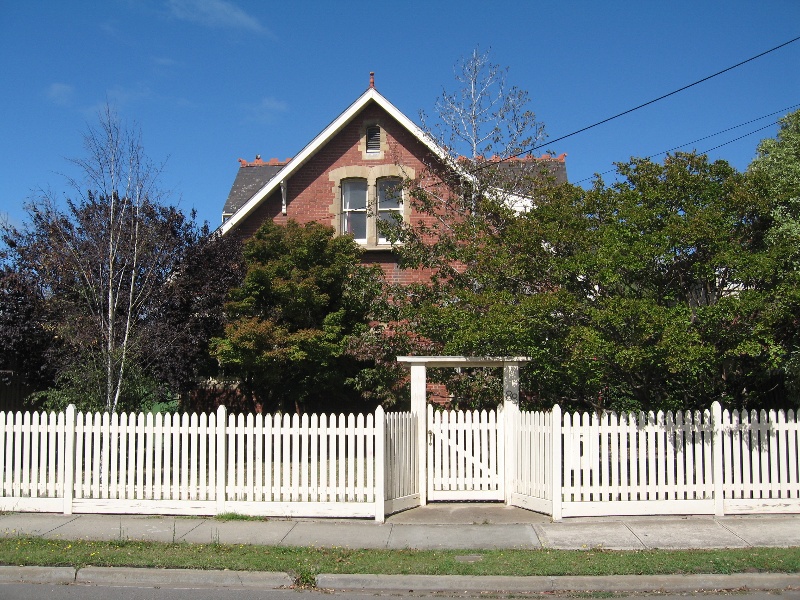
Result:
x=380 y=211
x=348 y=211
x=372 y=174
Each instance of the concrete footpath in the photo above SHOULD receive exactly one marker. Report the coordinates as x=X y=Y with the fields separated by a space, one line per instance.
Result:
x=465 y=527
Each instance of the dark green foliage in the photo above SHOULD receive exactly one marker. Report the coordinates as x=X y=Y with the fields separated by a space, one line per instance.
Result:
x=303 y=296
x=666 y=290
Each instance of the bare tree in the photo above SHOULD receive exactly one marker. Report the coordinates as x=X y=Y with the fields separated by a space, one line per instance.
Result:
x=482 y=176
x=485 y=116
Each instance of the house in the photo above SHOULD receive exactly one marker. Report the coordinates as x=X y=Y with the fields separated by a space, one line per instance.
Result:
x=349 y=176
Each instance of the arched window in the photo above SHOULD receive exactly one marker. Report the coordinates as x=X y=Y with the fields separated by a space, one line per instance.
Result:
x=390 y=202
x=354 y=208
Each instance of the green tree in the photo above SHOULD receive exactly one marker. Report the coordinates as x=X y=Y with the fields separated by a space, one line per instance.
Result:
x=25 y=339
x=776 y=173
x=303 y=296
x=655 y=292
x=676 y=313
x=669 y=289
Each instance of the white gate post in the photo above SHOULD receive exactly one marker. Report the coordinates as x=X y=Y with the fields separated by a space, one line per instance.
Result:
x=68 y=472
x=511 y=415
x=418 y=408
x=380 y=465
x=222 y=444
x=555 y=461
x=717 y=448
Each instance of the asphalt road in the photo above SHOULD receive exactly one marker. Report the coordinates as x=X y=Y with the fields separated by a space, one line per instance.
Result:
x=22 y=591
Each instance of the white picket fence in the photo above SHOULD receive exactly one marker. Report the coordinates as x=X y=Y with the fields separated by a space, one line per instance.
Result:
x=281 y=465
x=712 y=462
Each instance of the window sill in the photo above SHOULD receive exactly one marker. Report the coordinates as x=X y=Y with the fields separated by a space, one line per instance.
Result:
x=377 y=247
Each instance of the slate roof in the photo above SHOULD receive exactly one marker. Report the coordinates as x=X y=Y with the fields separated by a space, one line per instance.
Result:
x=250 y=178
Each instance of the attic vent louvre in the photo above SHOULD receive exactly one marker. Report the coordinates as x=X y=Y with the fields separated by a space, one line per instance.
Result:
x=373 y=139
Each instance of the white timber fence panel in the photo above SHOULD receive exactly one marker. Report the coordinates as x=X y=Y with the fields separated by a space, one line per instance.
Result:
x=144 y=463
x=761 y=461
x=709 y=462
x=32 y=465
x=645 y=463
x=280 y=465
x=309 y=465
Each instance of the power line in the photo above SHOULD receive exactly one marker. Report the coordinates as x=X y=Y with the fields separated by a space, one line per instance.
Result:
x=635 y=108
x=678 y=147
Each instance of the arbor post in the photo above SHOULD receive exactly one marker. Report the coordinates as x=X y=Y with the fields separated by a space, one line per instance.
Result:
x=555 y=461
x=419 y=408
x=511 y=415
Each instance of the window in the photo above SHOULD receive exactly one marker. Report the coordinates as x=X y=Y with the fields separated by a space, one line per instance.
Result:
x=354 y=208
x=373 y=139
x=363 y=196
x=390 y=201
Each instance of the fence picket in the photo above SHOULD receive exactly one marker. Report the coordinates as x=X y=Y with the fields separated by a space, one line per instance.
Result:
x=305 y=460
x=360 y=494
x=25 y=481
x=295 y=465
x=324 y=445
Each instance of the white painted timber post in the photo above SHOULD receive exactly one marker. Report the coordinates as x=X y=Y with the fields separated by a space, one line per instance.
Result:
x=511 y=415
x=418 y=408
x=380 y=465
x=716 y=454
x=68 y=472
x=222 y=476
x=555 y=461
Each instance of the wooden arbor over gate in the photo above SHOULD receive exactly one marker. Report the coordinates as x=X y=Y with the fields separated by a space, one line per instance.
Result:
x=419 y=366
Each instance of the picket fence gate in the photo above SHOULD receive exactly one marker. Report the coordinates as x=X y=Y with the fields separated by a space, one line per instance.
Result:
x=710 y=462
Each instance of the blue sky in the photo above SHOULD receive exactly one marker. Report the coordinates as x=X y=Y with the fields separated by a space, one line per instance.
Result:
x=211 y=81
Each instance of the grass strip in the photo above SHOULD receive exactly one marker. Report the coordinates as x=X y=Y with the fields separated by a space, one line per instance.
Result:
x=305 y=563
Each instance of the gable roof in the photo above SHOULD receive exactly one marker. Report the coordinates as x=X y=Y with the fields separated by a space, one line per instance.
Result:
x=242 y=209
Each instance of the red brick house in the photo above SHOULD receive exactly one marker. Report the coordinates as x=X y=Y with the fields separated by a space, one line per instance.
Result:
x=348 y=176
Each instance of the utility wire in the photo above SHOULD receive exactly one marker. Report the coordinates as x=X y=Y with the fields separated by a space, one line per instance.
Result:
x=678 y=147
x=630 y=110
